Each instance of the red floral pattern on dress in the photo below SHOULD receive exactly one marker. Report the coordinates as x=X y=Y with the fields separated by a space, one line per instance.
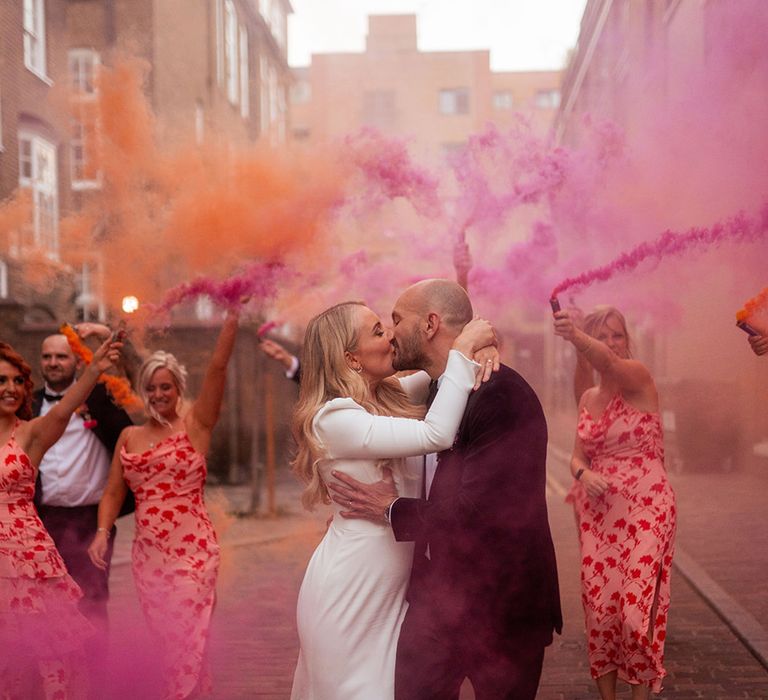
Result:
x=175 y=556
x=627 y=542
x=39 y=619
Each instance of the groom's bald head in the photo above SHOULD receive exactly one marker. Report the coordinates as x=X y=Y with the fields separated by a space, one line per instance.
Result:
x=426 y=320
x=443 y=297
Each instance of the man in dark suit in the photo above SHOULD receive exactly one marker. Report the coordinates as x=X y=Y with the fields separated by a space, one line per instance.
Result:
x=483 y=595
x=73 y=472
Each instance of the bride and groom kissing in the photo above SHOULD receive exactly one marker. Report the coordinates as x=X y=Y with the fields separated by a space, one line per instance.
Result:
x=438 y=564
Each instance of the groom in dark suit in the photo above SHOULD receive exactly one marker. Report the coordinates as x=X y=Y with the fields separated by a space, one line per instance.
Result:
x=483 y=595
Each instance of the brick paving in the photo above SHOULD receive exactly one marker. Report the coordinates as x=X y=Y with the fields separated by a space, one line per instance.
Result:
x=254 y=643
x=723 y=525
x=703 y=657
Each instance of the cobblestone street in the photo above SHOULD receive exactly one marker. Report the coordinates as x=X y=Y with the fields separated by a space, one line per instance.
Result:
x=254 y=642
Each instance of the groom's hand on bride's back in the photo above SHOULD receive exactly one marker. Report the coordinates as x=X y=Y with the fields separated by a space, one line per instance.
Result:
x=361 y=500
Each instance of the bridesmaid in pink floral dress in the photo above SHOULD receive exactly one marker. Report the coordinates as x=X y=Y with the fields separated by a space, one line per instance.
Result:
x=625 y=510
x=40 y=624
x=175 y=551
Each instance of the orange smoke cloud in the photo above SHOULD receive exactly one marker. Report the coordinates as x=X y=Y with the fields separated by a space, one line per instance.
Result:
x=15 y=213
x=752 y=307
x=162 y=218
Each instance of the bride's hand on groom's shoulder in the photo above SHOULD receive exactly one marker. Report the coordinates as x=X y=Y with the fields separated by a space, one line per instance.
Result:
x=489 y=361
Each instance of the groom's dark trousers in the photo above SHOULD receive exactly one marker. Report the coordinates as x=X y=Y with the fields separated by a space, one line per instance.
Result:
x=483 y=595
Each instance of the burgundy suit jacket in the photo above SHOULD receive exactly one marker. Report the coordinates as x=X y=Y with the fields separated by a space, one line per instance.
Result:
x=492 y=561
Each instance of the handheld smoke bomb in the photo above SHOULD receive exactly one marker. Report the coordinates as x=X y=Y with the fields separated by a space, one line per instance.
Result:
x=749 y=330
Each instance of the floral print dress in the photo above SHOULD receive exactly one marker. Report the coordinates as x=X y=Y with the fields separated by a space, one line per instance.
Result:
x=627 y=542
x=39 y=618
x=175 y=557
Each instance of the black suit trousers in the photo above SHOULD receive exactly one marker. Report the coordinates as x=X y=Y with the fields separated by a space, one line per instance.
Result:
x=72 y=531
x=432 y=662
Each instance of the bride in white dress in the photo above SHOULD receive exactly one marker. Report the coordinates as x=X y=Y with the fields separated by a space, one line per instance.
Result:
x=354 y=416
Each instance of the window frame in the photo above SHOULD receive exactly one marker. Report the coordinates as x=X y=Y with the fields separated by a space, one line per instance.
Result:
x=4 y=292
x=45 y=195
x=245 y=73
x=84 y=98
x=231 y=54
x=459 y=101
x=34 y=38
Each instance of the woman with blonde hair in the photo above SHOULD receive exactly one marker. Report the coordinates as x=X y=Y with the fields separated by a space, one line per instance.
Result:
x=625 y=508
x=354 y=416
x=175 y=558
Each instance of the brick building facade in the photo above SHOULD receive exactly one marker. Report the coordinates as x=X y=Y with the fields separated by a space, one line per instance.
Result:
x=438 y=98
x=218 y=74
x=677 y=78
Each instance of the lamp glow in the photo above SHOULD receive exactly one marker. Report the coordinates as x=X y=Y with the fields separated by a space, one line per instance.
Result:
x=130 y=304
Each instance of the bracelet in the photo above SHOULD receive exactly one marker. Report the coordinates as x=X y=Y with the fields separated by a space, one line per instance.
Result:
x=578 y=473
x=104 y=529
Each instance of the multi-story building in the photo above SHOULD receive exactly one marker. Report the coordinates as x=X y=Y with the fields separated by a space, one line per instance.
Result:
x=435 y=99
x=218 y=73
x=685 y=82
x=34 y=155
x=439 y=98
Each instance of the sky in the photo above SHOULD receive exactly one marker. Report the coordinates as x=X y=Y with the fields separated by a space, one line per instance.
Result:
x=521 y=34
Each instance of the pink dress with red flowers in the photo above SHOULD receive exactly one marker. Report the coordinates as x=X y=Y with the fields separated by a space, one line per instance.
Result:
x=39 y=618
x=627 y=541
x=175 y=557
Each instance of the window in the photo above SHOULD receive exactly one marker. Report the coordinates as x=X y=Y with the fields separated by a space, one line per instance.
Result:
x=199 y=123
x=230 y=51
x=38 y=173
x=503 y=100
x=264 y=104
x=301 y=92
x=3 y=279
x=84 y=151
x=34 y=36
x=547 y=99
x=277 y=24
x=379 y=108
x=219 y=9
x=83 y=67
x=455 y=101
x=86 y=300
x=274 y=15
x=282 y=111
x=84 y=138
x=274 y=105
x=245 y=88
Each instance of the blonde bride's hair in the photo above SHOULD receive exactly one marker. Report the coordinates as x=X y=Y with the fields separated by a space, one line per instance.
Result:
x=325 y=375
